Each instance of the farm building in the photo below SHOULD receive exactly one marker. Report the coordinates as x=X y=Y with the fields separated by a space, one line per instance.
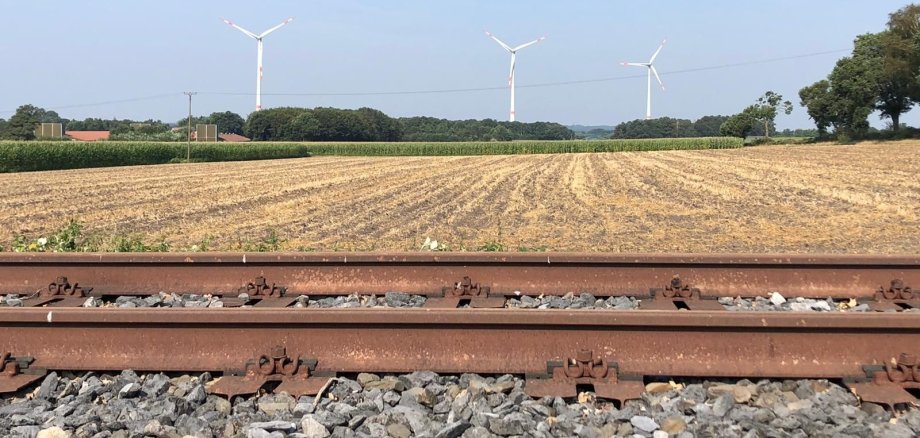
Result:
x=228 y=137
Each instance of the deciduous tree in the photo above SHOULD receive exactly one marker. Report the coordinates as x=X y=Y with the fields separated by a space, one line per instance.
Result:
x=227 y=122
x=738 y=125
x=902 y=42
x=22 y=124
x=765 y=110
x=500 y=133
x=818 y=101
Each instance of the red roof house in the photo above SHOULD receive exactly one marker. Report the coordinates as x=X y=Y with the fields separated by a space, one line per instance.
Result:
x=88 y=135
x=235 y=138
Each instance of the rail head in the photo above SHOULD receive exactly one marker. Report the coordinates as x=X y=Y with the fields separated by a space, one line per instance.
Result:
x=651 y=320
x=498 y=258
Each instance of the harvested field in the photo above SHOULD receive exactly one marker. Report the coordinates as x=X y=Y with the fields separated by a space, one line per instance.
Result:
x=802 y=199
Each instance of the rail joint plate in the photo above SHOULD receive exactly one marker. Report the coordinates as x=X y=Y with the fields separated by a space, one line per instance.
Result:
x=896 y=297
x=585 y=371
x=463 y=292
x=890 y=383
x=678 y=295
x=260 y=287
x=61 y=286
x=293 y=373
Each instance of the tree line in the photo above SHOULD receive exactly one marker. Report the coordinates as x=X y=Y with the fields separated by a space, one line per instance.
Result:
x=367 y=124
x=758 y=119
x=667 y=127
x=21 y=126
x=296 y=124
x=434 y=129
x=321 y=124
x=882 y=73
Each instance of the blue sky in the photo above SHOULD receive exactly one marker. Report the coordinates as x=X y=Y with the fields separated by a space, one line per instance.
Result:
x=65 y=54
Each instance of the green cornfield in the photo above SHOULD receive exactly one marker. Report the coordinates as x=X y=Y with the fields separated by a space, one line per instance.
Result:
x=24 y=156
x=521 y=147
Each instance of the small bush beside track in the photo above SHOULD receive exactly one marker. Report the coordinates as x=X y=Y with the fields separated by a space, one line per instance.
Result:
x=24 y=156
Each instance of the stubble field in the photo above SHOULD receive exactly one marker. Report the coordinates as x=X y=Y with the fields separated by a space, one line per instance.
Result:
x=796 y=199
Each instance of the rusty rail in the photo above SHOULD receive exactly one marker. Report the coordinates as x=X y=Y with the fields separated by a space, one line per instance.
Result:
x=430 y=273
x=638 y=343
x=558 y=349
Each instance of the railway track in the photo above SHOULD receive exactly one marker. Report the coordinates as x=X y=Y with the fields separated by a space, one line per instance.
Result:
x=260 y=341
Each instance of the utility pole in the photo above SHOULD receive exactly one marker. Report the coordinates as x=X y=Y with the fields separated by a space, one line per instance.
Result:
x=188 y=138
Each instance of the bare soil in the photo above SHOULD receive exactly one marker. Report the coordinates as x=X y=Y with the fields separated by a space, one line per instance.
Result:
x=793 y=199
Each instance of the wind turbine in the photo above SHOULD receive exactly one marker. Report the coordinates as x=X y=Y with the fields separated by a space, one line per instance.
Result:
x=258 y=38
x=513 y=52
x=651 y=70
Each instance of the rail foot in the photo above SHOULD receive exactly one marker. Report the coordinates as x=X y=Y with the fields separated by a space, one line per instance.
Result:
x=887 y=395
x=11 y=378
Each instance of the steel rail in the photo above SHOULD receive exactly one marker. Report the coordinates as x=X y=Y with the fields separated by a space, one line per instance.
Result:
x=429 y=273
x=646 y=343
x=486 y=341
x=778 y=344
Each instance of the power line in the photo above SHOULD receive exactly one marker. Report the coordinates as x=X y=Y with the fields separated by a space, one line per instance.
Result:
x=537 y=85
x=455 y=90
x=108 y=102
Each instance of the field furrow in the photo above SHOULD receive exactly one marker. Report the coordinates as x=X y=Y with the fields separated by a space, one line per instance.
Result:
x=839 y=199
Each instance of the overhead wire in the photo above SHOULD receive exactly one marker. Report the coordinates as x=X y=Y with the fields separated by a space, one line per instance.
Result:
x=537 y=85
x=108 y=102
x=450 y=90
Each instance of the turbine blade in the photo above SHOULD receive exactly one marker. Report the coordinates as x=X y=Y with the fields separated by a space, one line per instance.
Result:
x=233 y=25
x=511 y=73
x=276 y=27
x=634 y=64
x=651 y=67
x=657 y=52
x=499 y=41
x=528 y=44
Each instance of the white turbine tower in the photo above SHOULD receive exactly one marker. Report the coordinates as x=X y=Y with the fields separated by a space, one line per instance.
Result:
x=651 y=69
x=258 y=38
x=513 y=52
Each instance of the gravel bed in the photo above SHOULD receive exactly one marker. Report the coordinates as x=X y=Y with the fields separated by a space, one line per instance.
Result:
x=11 y=300
x=427 y=405
x=775 y=302
x=391 y=299
x=572 y=301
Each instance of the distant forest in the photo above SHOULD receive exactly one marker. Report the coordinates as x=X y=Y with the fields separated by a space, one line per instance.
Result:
x=666 y=127
x=367 y=124
x=297 y=124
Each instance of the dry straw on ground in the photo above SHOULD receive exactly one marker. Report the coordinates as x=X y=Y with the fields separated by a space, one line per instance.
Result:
x=828 y=198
